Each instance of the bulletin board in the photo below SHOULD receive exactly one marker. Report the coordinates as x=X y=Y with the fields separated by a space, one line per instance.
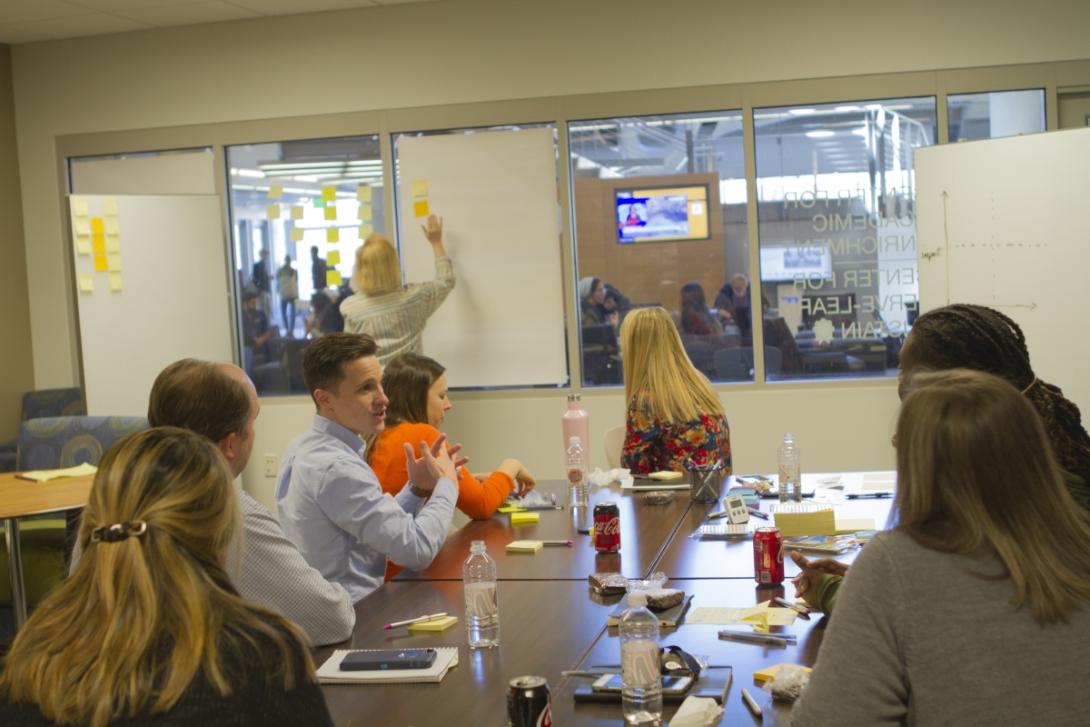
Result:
x=1001 y=223
x=151 y=288
x=503 y=324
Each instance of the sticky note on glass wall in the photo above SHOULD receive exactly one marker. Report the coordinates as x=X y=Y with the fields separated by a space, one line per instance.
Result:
x=98 y=226
x=113 y=243
x=83 y=245
x=332 y=234
x=115 y=282
x=363 y=193
x=83 y=226
x=331 y=212
x=86 y=283
x=100 y=262
x=420 y=208
x=276 y=191
x=297 y=211
x=109 y=206
x=329 y=193
x=333 y=277
x=273 y=212
x=365 y=230
x=318 y=202
x=420 y=188
x=112 y=227
x=365 y=212
x=297 y=234
x=98 y=244
x=113 y=263
x=79 y=206
x=333 y=258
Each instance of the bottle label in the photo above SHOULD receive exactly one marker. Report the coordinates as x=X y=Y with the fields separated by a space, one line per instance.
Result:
x=640 y=662
x=575 y=476
x=481 y=599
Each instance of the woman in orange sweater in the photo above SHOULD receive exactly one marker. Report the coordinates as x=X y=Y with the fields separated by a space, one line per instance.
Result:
x=417 y=389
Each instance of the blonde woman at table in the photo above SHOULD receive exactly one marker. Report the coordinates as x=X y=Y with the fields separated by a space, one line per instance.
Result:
x=389 y=312
x=975 y=608
x=673 y=414
x=149 y=629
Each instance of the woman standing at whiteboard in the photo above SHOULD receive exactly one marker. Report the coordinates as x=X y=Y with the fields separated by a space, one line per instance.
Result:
x=674 y=416
x=391 y=313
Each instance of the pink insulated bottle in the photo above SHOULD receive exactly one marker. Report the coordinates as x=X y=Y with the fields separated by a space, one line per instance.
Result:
x=576 y=423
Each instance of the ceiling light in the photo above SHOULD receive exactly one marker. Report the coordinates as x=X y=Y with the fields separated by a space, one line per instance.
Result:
x=820 y=133
x=801 y=112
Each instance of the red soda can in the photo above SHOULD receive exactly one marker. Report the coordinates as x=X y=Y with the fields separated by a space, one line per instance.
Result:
x=528 y=703
x=607 y=527
x=768 y=556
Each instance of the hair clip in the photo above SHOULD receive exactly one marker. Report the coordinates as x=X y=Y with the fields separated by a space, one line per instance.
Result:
x=118 y=531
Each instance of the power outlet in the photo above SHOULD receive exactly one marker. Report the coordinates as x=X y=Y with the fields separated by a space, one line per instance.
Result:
x=270 y=465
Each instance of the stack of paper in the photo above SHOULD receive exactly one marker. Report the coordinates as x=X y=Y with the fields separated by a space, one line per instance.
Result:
x=330 y=672
x=763 y=614
x=79 y=470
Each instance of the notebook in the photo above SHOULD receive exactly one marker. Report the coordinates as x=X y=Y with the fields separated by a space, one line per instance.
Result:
x=330 y=672
x=820 y=543
x=670 y=618
x=45 y=475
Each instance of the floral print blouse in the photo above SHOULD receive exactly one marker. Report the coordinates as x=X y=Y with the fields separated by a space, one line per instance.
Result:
x=651 y=445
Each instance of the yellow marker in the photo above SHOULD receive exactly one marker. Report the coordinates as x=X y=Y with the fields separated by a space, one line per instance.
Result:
x=334 y=257
x=100 y=262
x=420 y=188
x=109 y=206
x=333 y=277
x=331 y=212
x=297 y=234
x=297 y=211
x=98 y=225
x=366 y=230
x=276 y=191
x=272 y=212
x=365 y=212
x=420 y=208
x=363 y=193
x=332 y=234
x=86 y=283
x=329 y=193
x=79 y=206
x=115 y=282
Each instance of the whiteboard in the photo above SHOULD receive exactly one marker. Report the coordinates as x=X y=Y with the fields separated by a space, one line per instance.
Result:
x=1002 y=223
x=173 y=302
x=503 y=324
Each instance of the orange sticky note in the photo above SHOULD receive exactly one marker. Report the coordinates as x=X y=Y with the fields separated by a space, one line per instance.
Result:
x=332 y=234
x=363 y=193
x=329 y=193
x=100 y=262
x=420 y=208
x=297 y=211
x=331 y=212
x=297 y=234
x=273 y=212
x=333 y=258
x=98 y=225
x=333 y=277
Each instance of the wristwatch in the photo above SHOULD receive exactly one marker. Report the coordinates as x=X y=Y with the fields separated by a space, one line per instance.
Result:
x=417 y=491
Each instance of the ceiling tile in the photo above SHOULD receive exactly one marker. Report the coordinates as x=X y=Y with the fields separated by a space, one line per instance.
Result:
x=297 y=7
x=25 y=11
x=209 y=11
x=109 y=6
x=71 y=27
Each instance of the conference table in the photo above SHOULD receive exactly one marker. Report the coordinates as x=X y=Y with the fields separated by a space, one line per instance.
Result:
x=21 y=498
x=551 y=621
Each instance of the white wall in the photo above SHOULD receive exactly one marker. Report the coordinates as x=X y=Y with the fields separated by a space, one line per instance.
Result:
x=459 y=51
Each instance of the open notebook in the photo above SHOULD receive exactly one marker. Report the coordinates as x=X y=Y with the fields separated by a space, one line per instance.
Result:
x=330 y=672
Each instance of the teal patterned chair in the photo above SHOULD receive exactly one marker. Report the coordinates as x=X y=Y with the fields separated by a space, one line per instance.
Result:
x=48 y=443
x=38 y=404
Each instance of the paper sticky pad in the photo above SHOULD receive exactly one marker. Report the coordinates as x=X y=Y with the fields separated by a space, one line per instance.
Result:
x=79 y=206
x=768 y=674
x=83 y=226
x=86 y=283
x=665 y=476
x=363 y=193
x=366 y=230
x=365 y=212
x=436 y=624
x=420 y=208
x=318 y=202
x=525 y=546
x=115 y=282
x=98 y=225
x=297 y=211
x=524 y=518
x=330 y=212
x=853 y=525
x=420 y=188
x=113 y=243
x=83 y=245
x=113 y=262
x=329 y=193
x=111 y=226
x=276 y=191
x=332 y=234
x=109 y=206
x=297 y=234
x=98 y=244
x=100 y=262
x=333 y=277
x=510 y=508
x=819 y=522
x=333 y=258
x=273 y=212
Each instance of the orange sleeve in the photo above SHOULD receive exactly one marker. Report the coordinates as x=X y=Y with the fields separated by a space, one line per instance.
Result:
x=480 y=499
x=388 y=456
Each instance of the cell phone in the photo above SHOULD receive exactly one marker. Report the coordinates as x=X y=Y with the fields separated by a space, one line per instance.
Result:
x=670 y=684
x=388 y=659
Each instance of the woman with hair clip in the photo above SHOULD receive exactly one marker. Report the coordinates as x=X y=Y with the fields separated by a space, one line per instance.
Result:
x=673 y=414
x=148 y=629
x=975 y=608
x=389 y=312
x=417 y=389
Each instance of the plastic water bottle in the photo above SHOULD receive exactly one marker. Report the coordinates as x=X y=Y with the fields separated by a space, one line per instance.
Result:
x=641 y=668
x=482 y=601
x=790 y=470
x=576 y=423
x=576 y=466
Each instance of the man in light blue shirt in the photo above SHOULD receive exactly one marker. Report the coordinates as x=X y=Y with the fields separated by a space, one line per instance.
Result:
x=329 y=499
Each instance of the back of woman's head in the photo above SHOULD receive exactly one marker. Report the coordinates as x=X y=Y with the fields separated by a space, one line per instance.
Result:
x=658 y=371
x=976 y=475
x=983 y=339
x=377 y=268
x=406 y=381
x=149 y=604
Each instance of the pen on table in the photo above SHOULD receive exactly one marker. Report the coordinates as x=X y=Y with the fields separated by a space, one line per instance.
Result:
x=752 y=704
x=752 y=638
x=757 y=513
x=726 y=687
x=868 y=495
x=583 y=673
x=718 y=514
x=418 y=619
x=800 y=610
x=557 y=543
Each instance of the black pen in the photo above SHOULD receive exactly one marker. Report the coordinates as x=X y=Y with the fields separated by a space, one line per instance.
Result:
x=757 y=513
x=868 y=495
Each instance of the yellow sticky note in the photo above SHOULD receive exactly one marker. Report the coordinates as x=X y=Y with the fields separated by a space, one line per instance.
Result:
x=98 y=244
x=768 y=674
x=111 y=226
x=332 y=234
x=100 y=262
x=297 y=234
x=664 y=475
x=79 y=206
x=276 y=191
x=525 y=546
x=98 y=226
x=331 y=212
x=297 y=211
x=420 y=208
x=113 y=243
x=363 y=193
x=329 y=193
x=83 y=245
x=333 y=258
x=86 y=283
x=420 y=188
x=109 y=206
x=366 y=230
x=83 y=226
x=113 y=263
x=764 y=615
x=365 y=212
x=510 y=508
x=115 y=282
x=333 y=277
x=524 y=518
x=819 y=522
x=273 y=212
x=435 y=624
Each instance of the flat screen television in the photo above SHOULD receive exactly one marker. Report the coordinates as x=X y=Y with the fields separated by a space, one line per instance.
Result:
x=792 y=262
x=662 y=214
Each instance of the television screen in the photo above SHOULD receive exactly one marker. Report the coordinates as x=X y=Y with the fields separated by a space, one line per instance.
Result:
x=784 y=264
x=662 y=214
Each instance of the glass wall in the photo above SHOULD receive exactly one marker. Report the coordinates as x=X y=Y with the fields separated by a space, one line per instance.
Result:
x=835 y=185
x=992 y=115
x=299 y=209
x=659 y=206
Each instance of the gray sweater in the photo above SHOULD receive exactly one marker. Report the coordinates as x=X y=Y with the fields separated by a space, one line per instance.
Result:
x=919 y=640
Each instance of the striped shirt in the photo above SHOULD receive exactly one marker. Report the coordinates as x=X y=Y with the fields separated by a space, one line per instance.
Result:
x=396 y=319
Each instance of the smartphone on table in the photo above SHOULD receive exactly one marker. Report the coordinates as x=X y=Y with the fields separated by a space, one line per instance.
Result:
x=670 y=684
x=388 y=659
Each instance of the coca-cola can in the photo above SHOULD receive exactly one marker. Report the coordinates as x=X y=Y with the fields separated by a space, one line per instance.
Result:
x=607 y=527
x=528 y=702
x=768 y=556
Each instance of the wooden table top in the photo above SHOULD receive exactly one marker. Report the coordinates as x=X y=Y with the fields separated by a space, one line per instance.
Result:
x=19 y=498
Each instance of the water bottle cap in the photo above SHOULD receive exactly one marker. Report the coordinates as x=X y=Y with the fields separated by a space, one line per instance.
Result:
x=789 y=437
x=476 y=546
x=574 y=441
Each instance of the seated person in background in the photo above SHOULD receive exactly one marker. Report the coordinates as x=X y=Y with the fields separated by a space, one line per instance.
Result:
x=734 y=297
x=988 y=558
x=695 y=318
x=256 y=331
x=330 y=502
x=673 y=414
x=592 y=296
x=149 y=629
x=389 y=312
x=616 y=305
x=981 y=339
